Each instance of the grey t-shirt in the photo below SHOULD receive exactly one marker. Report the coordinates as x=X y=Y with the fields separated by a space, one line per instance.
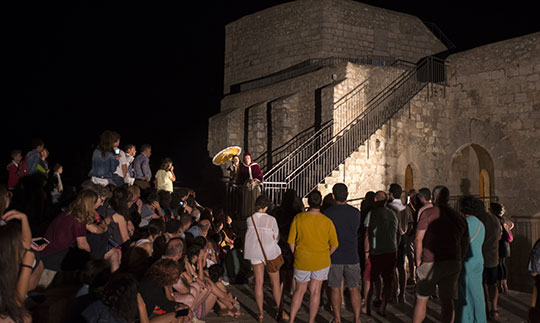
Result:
x=490 y=248
x=384 y=224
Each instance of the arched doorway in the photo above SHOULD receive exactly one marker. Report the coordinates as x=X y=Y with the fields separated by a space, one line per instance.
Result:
x=409 y=179
x=472 y=172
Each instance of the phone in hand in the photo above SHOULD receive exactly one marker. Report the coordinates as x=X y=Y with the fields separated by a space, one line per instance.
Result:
x=182 y=312
x=40 y=242
x=117 y=151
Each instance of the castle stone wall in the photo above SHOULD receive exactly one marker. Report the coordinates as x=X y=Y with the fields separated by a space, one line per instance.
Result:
x=282 y=36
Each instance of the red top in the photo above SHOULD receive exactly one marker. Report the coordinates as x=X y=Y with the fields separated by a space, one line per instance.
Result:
x=62 y=233
x=444 y=236
x=14 y=177
x=243 y=172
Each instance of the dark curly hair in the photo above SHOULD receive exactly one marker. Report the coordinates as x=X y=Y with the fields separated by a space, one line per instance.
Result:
x=120 y=295
x=165 y=272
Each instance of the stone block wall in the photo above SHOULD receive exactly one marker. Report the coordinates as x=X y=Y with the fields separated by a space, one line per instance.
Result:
x=490 y=110
x=282 y=36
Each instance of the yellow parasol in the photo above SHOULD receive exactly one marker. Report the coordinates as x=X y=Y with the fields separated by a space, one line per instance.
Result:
x=226 y=154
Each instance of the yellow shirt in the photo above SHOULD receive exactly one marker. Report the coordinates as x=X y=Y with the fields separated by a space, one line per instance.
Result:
x=313 y=235
x=164 y=180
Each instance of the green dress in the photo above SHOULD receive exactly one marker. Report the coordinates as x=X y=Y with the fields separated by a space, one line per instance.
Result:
x=470 y=305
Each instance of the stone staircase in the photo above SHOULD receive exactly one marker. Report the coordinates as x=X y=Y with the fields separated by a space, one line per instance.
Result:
x=321 y=156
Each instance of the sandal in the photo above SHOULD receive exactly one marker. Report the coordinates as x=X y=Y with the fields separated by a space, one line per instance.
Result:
x=494 y=314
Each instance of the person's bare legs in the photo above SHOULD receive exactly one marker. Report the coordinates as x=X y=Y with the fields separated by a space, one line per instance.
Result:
x=356 y=301
x=493 y=300
x=314 y=298
x=297 y=298
x=114 y=257
x=402 y=282
x=447 y=307
x=419 y=313
x=335 y=298
x=258 y=270
x=276 y=290
x=366 y=308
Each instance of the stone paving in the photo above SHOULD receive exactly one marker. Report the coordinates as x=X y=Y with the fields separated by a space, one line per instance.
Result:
x=514 y=307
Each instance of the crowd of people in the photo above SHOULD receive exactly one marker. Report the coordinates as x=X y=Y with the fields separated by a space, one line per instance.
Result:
x=129 y=240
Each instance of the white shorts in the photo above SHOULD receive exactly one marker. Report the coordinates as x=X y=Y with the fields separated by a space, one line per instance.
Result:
x=256 y=261
x=303 y=276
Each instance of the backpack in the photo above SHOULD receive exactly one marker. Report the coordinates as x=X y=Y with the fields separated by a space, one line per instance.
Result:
x=23 y=169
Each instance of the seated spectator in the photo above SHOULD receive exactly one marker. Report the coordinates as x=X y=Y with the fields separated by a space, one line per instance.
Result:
x=150 y=209
x=116 y=303
x=237 y=269
x=14 y=172
x=156 y=289
x=118 y=217
x=165 y=176
x=200 y=229
x=172 y=229
x=135 y=204
x=104 y=161
x=69 y=228
x=17 y=262
x=148 y=235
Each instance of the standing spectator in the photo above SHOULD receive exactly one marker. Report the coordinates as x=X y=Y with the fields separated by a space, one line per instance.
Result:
x=13 y=169
x=504 y=244
x=33 y=156
x=490 y=251
x=165 y=176
x=345 y=261
x=534 y=269
x=365 y=207
x=264 y=227
x=43 y=165
x=405 y=228
x=141 y=167
x=57 y=187
x=121 y=172
x=381 y=243
x=411 y=210
x=470 y=305
x=312 y=239
x=441 y=240
x=130 y=152
x=104 y=161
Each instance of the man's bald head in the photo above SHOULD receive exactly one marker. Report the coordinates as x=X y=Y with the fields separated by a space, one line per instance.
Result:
x=380 y=196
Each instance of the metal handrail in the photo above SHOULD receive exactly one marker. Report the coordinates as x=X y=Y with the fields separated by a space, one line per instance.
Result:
x=312 y=144
x=333 y=151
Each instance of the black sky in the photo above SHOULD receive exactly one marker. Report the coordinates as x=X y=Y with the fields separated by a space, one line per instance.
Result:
x=153 y=71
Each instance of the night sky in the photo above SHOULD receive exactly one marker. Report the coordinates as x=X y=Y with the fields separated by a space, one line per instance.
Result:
x=154 y=71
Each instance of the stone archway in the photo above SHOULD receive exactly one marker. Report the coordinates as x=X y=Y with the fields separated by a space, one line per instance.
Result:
x=472 y=172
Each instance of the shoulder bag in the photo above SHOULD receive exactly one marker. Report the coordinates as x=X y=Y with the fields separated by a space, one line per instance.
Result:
x=271 y=265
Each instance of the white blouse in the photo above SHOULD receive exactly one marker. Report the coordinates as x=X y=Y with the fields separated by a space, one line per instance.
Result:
x=269 y=234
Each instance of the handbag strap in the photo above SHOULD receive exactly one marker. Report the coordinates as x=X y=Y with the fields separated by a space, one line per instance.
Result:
x=259 y=238
x=478 y=230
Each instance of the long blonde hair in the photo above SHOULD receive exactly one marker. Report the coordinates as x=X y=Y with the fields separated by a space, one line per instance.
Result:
x=83 y=208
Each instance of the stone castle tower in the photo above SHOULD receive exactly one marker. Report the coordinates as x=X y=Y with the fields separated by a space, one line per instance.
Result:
x=328 y=91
